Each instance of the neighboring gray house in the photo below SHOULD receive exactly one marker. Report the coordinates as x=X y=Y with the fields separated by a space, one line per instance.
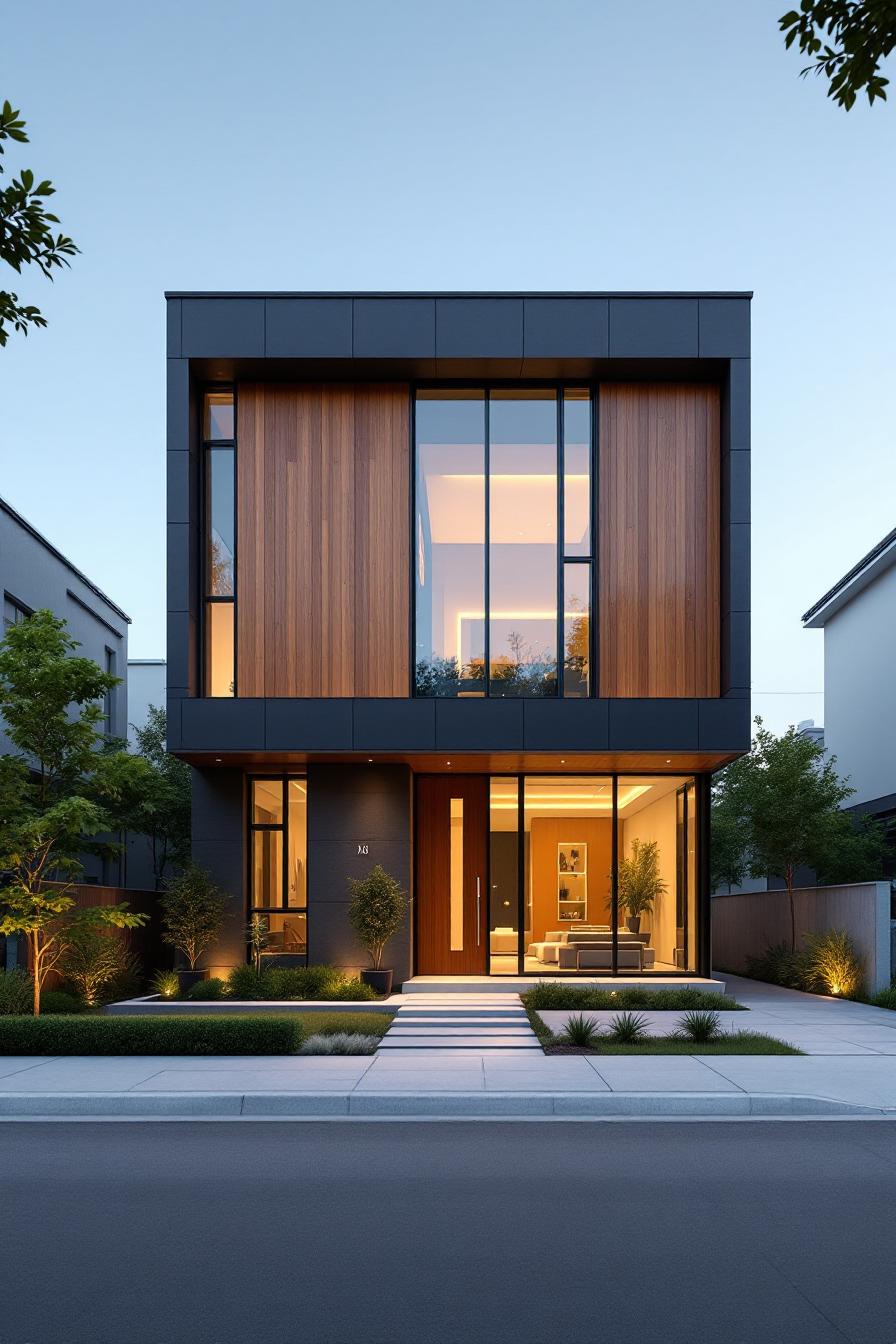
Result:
x=34 y=575
x=858 y=616
x=146 y=687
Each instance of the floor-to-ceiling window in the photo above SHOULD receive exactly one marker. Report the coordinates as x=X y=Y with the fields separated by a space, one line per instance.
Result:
x=503 y=542
x=219 y=544
x=278 y=877
x=599 y=873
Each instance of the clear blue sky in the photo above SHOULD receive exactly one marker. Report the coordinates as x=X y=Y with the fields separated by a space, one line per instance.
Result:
x=594 y=144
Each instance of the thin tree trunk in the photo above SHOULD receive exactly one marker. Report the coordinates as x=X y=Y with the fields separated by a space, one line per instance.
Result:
x=788 y=877
x=35 y=961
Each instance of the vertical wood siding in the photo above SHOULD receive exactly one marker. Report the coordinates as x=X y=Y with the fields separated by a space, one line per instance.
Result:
x=322 y=540
x=658 y=540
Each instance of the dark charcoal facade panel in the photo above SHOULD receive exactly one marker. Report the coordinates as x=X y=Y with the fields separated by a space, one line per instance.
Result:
x=308 y=725
x=736 y=567
x=394 y=725
x=177 y=485
x=181 y=574
x=735 y=651
x=219 y=827
x=653 y=725
x=479 y=725
x=739 y=404
x=566 y=725
x=180 y=648
x=570 y=328
x=178 y=405
x=309 y=328
x=221 y=328
x=653 y=328
x=222 y=725
x=724 y=725
x=736 y=486
x=348 y=809
x=479 y=328
x=172 y=319
x=724 y=328
x=394 y=329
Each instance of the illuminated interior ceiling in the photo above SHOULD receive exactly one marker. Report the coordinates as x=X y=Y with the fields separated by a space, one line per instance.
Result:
x=574 y=796
x=523 y=508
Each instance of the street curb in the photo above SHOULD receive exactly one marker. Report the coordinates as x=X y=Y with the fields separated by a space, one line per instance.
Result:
x=436 y=1105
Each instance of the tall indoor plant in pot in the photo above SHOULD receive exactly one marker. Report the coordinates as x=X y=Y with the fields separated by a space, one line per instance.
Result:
x=193 y=912
x=639 y=882
x=376 y=912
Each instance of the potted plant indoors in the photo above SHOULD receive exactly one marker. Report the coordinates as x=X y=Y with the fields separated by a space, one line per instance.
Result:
x=193 y=911
x=376 y=912
x=640 y=882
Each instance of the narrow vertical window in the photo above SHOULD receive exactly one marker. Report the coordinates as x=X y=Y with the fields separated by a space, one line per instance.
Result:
x=219 y=546
x=278 y=867
x=578 y=543
x=456 y=875
x=109 y=697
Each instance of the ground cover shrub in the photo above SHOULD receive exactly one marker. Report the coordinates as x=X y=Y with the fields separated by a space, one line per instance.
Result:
x=208 y=990
x=884 y=998
x=832 y=965
x=339 y=1043
x=627 y=1028
x=580 y=1030
x=282 y=984
x=699 y=1026
x=316 y=1023
x=166 y=983
x=549 y=994
x=827 y=964
x=736 y=1043
x=60 y=1001
x=259 y=1034
x=16 y=992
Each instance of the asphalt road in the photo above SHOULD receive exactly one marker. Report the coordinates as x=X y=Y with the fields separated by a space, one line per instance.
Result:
x=447 y=1233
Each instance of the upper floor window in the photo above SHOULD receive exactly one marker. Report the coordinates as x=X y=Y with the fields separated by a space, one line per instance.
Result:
x=14 y=613
x=219 y=543
x=503 y=542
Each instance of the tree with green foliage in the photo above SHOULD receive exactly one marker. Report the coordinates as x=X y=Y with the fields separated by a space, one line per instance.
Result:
x=26 y=231
x=376 y=911
x=60 y=791
x=161 y=809
x=780 y=808
x=846 y=41
x=193 y=913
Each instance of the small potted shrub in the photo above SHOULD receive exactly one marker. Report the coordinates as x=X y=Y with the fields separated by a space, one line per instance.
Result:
x=193 y=912
x=639 y=882
x=376 y=913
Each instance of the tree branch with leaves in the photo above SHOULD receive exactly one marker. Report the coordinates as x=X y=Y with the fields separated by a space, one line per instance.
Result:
x=27 y=236
x=846 y=41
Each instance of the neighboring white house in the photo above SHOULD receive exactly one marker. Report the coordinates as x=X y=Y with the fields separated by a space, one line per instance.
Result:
x=146 y=686
x=858 y=616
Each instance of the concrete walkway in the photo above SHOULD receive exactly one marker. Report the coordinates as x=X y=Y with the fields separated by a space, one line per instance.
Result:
x=458 y=1025
x=849 y=1069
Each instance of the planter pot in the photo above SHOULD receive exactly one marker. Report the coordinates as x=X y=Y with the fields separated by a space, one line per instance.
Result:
x=381 y=981
x=188 y=979
x=633 y=923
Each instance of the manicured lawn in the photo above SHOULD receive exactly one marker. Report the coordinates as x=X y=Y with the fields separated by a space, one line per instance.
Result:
x=744 y=1043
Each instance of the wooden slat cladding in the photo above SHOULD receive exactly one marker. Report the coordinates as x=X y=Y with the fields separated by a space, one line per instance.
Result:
x=659 y=514
x=322 y=540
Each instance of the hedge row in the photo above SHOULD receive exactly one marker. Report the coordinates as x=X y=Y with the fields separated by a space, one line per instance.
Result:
x=236 y=1035
x=554 y=994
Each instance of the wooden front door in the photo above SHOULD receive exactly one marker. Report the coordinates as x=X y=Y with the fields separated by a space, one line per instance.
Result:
x=451 y=878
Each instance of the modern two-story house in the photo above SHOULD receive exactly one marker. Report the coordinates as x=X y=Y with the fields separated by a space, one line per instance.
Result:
x=459 y=584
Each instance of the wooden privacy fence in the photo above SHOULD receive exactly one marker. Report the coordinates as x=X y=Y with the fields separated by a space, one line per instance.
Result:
x=746 y=923
x=145 y=942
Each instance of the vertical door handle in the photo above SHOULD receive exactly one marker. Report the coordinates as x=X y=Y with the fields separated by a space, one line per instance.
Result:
x=478 y=915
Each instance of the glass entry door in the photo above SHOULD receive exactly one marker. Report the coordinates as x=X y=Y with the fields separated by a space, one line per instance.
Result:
x=451 y=874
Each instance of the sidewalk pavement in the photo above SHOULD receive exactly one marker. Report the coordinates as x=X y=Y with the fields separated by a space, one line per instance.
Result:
x=849 y=1069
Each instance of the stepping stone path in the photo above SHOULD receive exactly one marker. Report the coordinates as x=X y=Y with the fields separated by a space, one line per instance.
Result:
x=460 y=1024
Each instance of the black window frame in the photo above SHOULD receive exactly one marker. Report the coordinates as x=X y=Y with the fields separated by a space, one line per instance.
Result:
x=559 y=389
x=252 y=826
x=207 y=598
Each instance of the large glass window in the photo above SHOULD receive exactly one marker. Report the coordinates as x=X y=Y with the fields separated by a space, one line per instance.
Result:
x=219 y=545
x=503 y=542
x=450 y=543
x=552 y=866
x=278 y=885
